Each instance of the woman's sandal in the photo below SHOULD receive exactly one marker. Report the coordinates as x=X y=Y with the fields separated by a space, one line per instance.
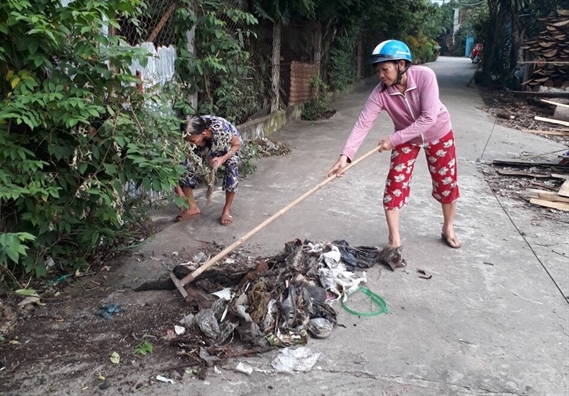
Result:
x=185 y=216
x=451 y=242
x=226 y=220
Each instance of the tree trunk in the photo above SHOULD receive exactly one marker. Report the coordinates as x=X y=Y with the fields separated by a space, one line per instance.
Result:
x=359 y=58
x=190 y=39
x=489 y=51
x=318 y=47
x=516 y=40
x=277 y=27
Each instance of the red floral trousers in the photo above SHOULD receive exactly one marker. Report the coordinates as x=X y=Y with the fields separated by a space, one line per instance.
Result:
x=441 y=160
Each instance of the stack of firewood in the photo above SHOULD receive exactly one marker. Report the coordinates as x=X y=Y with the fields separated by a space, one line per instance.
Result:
x=550 y=52
x=544 y=177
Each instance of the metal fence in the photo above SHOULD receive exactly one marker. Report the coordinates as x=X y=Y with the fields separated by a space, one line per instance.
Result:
x=154 y=25
x=272 y=54
x=299 y=41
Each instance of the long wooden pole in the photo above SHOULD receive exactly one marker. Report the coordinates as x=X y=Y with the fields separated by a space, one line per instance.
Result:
x=541 y=94
x=189 y=278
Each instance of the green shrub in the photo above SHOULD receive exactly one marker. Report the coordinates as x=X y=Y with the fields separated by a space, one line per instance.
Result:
x=220 y=70
x=422 y=48
x=317 y=106
x=74 y=132
x=343 y=67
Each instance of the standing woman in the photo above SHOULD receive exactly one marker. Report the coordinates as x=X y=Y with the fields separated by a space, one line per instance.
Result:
x=410 y=96
x=217 y=142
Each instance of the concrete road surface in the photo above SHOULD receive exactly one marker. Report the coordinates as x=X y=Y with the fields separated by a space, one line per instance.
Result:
x=473 y=329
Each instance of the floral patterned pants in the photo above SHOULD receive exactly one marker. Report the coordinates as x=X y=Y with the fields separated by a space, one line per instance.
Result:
x=230 y=175
x=441 y=159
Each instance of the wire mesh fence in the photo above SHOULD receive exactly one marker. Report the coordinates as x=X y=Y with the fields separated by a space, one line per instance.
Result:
x=300 y=41
x=261 y=49
x=153 y=25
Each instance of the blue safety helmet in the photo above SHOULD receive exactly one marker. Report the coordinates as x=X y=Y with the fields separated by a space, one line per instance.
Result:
x=390 y=50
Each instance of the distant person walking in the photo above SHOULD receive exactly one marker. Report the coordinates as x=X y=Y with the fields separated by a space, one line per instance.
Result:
x=410 y=95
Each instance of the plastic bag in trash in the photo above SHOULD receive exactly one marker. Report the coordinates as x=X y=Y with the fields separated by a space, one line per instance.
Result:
x=242 y=311
x=320 y=327
x=291 y=360
x=207 y=321
x=226 y=329
x=339 y=280
x=359 y=256
x=316 y=294
x=251 y=334
x=106 y=311
x=332 y=258
x=269 y=320
x=288 y=306
x=188 y=320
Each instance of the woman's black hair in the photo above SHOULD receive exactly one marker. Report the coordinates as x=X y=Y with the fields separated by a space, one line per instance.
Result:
x=194 y=125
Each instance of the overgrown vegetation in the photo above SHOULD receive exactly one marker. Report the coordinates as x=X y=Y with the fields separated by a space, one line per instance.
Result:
x=343 y=66
x=77 y=138
x=423 y=49
x=219 y=70
x=319 y=106
x=81 y=146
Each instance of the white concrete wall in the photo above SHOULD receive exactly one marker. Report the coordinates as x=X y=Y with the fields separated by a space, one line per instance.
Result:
x=161 y=65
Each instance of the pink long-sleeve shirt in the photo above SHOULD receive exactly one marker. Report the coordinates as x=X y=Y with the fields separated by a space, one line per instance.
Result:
x=418 y=115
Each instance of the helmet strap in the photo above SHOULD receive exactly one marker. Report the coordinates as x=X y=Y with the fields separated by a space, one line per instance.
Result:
x=401 y=72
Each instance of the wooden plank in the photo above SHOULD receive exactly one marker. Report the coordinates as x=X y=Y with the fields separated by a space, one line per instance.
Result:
x=525 y=163
x=554 y=133
x=554 y=103
x=551 y=120
x=545 y=195
x=542 y=187
x=538 y=191
x=522 y=174
x=555 y=205
x=564 y=190
x=553 y=197
x=559 y=176
x=541 y=94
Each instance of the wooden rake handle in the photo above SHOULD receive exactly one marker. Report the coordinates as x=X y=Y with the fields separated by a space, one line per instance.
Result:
x=189 y=278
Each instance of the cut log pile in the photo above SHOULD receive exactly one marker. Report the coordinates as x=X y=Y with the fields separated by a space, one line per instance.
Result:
x=550 y=50
x=554 y=198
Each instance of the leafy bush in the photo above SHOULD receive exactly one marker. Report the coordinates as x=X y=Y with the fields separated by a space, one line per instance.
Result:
x=220 y=70
x=74 y=132
x=317 y=106
x=343 y=68
x=422 y=48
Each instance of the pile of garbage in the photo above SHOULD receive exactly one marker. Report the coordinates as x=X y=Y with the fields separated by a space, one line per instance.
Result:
x=279 y=301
